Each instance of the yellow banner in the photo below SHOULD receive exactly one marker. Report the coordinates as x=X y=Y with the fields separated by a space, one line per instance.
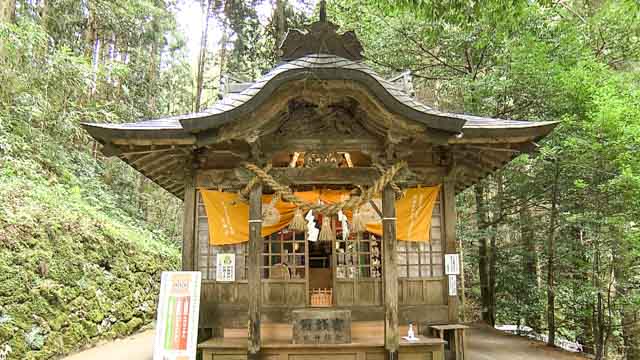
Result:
x=228 y=218
x=413 y=214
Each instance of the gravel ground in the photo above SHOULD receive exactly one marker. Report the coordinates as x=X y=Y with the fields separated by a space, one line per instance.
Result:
x=135 y=347
x=483 y=343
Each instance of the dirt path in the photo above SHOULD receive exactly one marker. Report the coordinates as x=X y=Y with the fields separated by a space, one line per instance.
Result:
x=485 y=343
x=135 y=347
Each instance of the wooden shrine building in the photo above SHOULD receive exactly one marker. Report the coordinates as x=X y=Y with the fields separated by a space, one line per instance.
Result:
x=379 y=172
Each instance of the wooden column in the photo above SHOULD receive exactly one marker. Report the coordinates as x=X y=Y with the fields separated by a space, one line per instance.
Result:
x=189 y=220
x=390 y=272
x=449 y=199
x=253 y=274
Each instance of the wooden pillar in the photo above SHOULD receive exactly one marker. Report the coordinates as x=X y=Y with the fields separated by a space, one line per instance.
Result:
x=390 y=272
x=253 y=274
x=449 y=199
x=189 y=220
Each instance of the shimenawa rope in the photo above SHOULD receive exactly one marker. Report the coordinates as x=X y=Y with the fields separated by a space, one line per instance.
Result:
x=353 y=202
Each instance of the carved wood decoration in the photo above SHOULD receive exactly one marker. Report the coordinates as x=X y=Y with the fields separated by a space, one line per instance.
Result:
x=321 y=38
x=322 y=159
x=344 y=108
x=309 y=120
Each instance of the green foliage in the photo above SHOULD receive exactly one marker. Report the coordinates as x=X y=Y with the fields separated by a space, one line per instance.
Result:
x=570 y=61
x=83 y=239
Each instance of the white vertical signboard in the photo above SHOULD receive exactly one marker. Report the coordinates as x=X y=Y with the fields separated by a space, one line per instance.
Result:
x=178 y=311
x=226 y=267
x=452 y=264
x=453 y=285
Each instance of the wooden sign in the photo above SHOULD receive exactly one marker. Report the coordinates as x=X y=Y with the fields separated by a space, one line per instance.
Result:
x=226 y=267
x=452 y=264
x=453 y=285
x=178 y=311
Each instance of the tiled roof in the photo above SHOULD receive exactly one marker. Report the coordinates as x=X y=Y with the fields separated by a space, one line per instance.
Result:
x=470 y=129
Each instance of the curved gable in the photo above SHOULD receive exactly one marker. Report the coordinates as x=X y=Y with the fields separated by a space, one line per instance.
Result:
x=321 y=67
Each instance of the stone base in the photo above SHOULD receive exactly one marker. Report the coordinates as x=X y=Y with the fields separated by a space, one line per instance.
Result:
x=321 y=326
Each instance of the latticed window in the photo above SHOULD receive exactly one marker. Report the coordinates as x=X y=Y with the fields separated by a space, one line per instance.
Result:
x=360 y=256
x=419 y=259
x=284 y=255
x=423 y=259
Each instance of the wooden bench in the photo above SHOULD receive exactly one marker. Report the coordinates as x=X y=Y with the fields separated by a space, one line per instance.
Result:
x=454 y=335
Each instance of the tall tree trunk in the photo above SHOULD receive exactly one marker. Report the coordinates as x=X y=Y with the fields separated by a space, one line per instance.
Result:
x=483 y=266
x=95 y=62
x=111 y=56
x=202 y=58
x=586 y=335
x=631 y=331
x=153 y=76
x=623 y=262
x=91 y=32
x=493 y=270
x=463 y=289
x=280 y=22
x=7 y=11
x=587 y=332
x=43 y=11
x=529 y=264
x=599 y=310
x=223 y=58
x=551 y=252
x=92 y=46
x=7 y=15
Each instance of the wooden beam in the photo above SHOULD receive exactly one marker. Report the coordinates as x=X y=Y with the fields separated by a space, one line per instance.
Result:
x=109 y=150
x=481 y=158
x=498 y=157
x=174 y=188
x=163 y=158
x=188 y=225
x=493 y=148
x=390 y=272
x=152 y=149
x=492 y=139
x=449 y=207
x=168 y=165
x=189 y=140
x=136 y=160
x=300 y=144
x=310 y=176
x=253 y=272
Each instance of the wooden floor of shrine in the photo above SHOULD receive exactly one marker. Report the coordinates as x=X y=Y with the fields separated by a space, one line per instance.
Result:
x=367 y=343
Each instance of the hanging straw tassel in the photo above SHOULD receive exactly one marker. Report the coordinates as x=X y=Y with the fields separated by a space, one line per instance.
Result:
x=357 y=223
x=298 y=223
x=326 y=233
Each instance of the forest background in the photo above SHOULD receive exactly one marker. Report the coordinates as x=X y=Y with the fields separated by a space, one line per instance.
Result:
x=551 y=242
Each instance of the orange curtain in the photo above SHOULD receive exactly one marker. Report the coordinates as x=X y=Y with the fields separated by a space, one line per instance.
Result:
x=413 y=214
x=228 y=218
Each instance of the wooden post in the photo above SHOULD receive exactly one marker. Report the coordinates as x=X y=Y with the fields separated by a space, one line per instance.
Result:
x=189 y=220
x=463 y=296
x=390 y=271
x=253 y=271
x=449 y=198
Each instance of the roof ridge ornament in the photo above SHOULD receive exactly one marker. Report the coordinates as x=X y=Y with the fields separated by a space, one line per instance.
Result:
x=323 y=11
x=321 y=37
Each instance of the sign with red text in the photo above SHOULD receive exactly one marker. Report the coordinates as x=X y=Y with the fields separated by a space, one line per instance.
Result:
x=178 y=311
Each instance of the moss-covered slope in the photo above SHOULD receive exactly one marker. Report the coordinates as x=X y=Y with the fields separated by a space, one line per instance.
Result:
x=71 y=275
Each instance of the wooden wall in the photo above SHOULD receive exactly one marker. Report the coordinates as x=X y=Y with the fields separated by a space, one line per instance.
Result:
x=225 y=304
